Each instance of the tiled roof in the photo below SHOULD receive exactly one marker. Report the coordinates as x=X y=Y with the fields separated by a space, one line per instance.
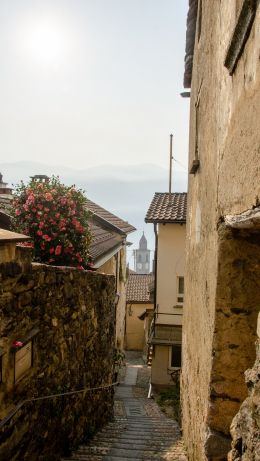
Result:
x=190 y=40
x=8 y=236
x=103 y=241
x=5 y=202
x=167 y=208
x=109 y=218
x=138 y=288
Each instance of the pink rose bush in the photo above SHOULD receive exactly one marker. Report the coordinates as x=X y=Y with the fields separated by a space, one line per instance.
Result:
x=55 y=216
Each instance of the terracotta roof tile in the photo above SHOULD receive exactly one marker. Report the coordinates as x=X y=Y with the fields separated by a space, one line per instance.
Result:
x=102 y=241
x=167 y=208
x=137 y=289
x=190 y=40
x=8 y=236
x=111 y=219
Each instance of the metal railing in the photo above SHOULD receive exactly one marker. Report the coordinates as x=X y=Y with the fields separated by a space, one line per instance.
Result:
x=7 y=418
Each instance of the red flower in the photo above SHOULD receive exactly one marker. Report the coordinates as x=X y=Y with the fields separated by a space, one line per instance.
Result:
x=63 y=201
x=58 y=250
x=51 y=250
x=48 y=196
x=17 y=343
x=39 y=232
x=46 y=237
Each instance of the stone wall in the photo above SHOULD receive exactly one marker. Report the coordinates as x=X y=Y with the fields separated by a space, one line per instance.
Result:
x=67 y=316
x=222 y=276
x=245 y=428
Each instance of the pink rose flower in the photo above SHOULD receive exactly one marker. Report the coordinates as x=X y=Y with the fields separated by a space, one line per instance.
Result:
x=58 y=250
x=63 y=201
x=46 y=237
x=17 y=343
x=48 y=196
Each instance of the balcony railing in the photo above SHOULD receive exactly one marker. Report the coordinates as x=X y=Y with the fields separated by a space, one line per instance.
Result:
x=163 y=332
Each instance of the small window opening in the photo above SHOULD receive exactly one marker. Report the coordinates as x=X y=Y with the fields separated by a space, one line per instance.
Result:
x=175 y=361
x=180 y=290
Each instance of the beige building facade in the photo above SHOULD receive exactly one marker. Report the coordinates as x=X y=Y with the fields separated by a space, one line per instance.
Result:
x=168 y=214
x=222 y=295
x=138 y=309
x=108 y=252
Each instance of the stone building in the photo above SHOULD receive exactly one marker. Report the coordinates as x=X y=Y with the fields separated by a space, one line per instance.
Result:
x=222 y=295
x=107 y=248
x=142 y=257
x=57 y=334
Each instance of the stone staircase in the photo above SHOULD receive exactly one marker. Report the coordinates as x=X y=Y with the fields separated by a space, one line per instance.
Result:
x=139 y=431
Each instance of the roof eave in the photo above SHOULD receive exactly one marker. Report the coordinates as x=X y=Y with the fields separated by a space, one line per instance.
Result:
x=109 y=225
x=190 y=42
x=102 y=259
x=134 y=301
x=165 y=221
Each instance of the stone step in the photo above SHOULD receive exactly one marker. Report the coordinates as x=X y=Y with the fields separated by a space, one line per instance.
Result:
x=141 y=433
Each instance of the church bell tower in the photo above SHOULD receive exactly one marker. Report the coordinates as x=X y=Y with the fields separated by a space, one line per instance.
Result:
x=142 y=257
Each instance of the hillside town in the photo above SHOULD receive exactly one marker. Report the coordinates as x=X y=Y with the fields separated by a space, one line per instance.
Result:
x=118 y=351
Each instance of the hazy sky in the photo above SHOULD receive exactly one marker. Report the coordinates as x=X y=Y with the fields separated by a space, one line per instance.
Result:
x=87 y=82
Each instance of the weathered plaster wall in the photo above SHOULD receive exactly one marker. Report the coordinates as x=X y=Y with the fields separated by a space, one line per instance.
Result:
x=160 y=372
x=227 y=135
x=121 y=289
x=116 y=266
x=73 y=312
x=135 y=333
x=170 y=265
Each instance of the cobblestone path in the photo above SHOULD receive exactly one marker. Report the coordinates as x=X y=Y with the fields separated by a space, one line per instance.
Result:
x=140 y=431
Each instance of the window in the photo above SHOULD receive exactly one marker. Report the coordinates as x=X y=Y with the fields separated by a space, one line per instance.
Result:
x=175 y=356
x=22 y=361
x=240 y=34
x=180 y=290
x=199 y=20
x=196 y=162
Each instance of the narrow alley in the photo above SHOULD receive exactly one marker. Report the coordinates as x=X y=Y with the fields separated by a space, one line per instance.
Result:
x=140 y=430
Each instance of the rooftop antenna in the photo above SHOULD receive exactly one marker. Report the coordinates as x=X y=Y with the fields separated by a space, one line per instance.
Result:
x=171 y=158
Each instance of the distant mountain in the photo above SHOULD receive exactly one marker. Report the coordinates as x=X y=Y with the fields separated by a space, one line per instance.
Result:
x=124 y=190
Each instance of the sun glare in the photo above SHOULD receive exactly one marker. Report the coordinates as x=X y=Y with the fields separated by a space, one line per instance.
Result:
x=45 y=41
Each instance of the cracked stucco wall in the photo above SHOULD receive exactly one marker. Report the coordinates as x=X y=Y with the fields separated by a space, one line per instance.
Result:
x=220 y=312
